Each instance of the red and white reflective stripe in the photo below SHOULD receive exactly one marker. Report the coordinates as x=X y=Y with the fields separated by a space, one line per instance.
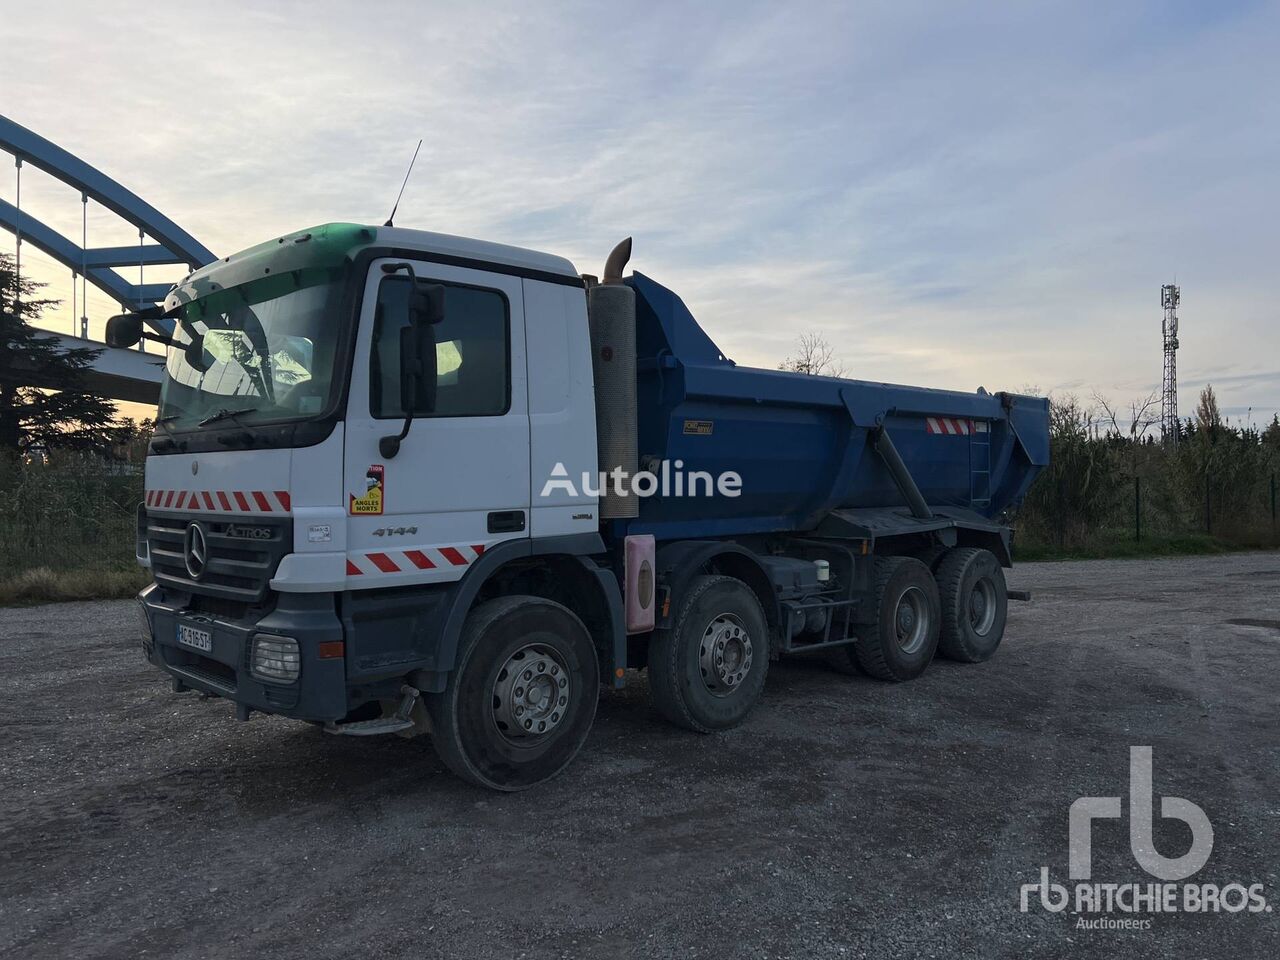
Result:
x=949 y=425
x=377 y=562
x=221 y=501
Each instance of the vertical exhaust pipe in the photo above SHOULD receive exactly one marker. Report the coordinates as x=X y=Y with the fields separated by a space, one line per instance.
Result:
x=611 y=309
x=616 y=261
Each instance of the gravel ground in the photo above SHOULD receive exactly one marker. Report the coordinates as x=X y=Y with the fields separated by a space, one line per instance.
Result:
x=847 y=818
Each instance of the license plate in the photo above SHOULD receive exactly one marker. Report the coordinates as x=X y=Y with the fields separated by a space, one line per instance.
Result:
x=195 y=638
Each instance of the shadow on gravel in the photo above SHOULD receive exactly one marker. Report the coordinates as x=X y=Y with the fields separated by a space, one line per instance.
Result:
x=1265 y=624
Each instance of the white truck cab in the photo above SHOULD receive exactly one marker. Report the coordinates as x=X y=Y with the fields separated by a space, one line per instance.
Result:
x=278 y=528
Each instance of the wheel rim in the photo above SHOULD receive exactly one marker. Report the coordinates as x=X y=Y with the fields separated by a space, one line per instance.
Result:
x=911 y=620
x=531 y=694
x=982 y=606
x=725 y=654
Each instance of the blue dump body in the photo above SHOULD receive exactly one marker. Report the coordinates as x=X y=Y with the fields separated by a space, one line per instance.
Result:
x=802 y=444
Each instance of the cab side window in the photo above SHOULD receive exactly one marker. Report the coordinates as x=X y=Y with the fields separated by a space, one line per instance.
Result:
x=473 y=354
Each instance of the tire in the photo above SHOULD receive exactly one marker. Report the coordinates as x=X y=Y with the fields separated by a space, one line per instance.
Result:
x=475 y=722
x=975 y=604
x=842 y=660
x=900 y=644
x=931 y=555
x=707 y=670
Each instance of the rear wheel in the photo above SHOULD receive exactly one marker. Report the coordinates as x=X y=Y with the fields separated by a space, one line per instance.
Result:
x=975 y=604
x=707 y=671
x=931 y=555
x=521 y=701
x=901 y=641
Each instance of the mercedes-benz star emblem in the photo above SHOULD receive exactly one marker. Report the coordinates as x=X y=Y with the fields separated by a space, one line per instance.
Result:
x=196 y=550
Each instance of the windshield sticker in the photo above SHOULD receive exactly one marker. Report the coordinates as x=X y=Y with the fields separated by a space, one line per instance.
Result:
x=370 y=502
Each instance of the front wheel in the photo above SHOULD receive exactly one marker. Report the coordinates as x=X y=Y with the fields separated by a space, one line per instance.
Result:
x=707 y=671
x=521 y=701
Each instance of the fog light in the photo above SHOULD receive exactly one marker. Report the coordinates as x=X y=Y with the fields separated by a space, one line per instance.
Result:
x=276 y=659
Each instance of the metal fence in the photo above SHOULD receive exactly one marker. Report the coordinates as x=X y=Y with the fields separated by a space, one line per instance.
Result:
x=1237 y=510
x=1153 y=505
x=79 y=514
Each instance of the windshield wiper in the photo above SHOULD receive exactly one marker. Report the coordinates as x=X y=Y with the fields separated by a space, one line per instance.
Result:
x=225 y=414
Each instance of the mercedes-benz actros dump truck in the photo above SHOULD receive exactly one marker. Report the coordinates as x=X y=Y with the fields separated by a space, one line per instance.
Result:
x=403 y=482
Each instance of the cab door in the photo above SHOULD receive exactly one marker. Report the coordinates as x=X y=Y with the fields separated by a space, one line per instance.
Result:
x=460 y=482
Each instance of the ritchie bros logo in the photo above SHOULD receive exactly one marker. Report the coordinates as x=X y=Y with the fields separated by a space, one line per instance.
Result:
x=1136 y=902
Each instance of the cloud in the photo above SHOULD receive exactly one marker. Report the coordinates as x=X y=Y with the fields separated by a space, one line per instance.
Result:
x=954 y=195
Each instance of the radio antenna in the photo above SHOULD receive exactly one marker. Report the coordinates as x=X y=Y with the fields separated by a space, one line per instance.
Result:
x=402 y=186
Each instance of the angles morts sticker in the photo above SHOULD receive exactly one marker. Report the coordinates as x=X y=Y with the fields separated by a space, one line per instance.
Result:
x=370 y=502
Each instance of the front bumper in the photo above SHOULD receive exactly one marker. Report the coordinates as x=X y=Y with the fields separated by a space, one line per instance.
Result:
x=321 y=692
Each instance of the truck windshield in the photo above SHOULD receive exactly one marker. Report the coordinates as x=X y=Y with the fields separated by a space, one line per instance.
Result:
x=257 y=353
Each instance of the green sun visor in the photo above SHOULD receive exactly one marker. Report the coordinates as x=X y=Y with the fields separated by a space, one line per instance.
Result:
x=274 y=268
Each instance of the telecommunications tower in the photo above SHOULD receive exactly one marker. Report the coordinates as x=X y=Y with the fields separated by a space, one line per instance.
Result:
x=1169 y=297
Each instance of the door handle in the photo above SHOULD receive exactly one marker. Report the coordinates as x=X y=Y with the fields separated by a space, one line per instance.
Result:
x=506 y=521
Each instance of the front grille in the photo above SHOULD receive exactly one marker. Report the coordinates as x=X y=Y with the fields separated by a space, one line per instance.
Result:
x=237 y=570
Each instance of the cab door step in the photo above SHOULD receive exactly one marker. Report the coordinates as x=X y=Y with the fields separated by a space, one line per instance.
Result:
x=402 y=719
x=369 y=728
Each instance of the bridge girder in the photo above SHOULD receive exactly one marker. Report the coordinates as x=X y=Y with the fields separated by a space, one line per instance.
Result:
x=120 y=374
x=30 y=147
x=69 y=254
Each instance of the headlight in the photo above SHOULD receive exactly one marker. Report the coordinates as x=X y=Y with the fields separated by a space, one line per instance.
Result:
x=276 y=659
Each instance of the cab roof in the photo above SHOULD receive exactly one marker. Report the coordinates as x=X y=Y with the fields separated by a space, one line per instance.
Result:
x=482 y=250
x=330 y=244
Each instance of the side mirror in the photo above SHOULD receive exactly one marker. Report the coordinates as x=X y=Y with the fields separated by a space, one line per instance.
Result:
x=194 y=354
x=424 y=309
x=426 y=303
x=124 y=330
x=417 y=369
x=418 y=348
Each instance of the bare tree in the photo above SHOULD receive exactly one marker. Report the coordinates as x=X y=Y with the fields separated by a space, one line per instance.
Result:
x=1144 y=413
x=814 y=356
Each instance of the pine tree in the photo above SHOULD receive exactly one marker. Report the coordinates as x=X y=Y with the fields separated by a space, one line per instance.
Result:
x=43 y=397
x=1271 y=435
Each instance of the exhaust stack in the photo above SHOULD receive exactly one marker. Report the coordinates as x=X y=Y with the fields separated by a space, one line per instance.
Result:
x=611 y=310
x=617 y=260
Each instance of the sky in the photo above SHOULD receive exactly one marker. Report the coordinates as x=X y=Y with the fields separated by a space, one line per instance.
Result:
x=954 y=195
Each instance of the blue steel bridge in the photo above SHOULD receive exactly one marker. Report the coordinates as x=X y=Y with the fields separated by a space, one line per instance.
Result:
x=119 y=374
